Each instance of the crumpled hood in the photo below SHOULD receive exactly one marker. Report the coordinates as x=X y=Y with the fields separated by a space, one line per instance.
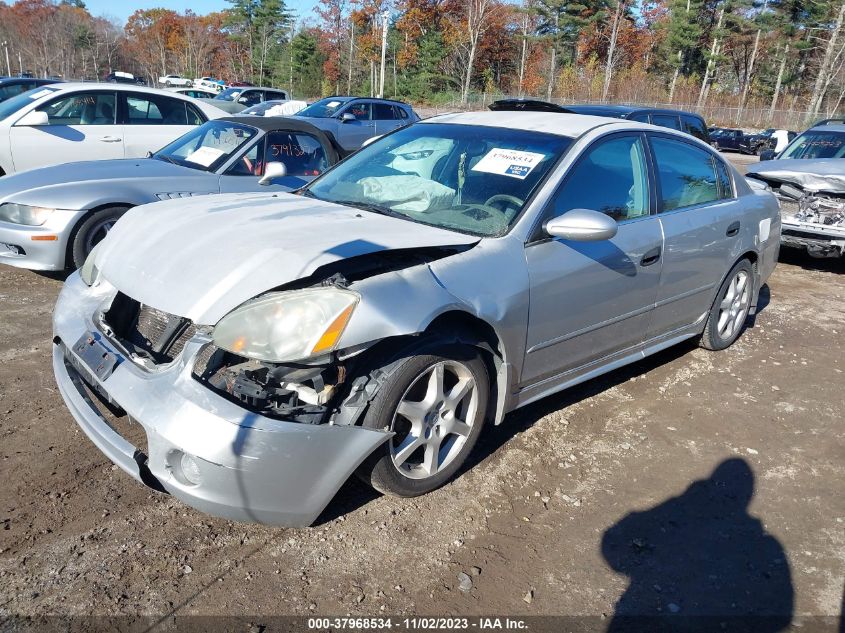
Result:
x=202 y=257
x=814 y=174
x=48 y=186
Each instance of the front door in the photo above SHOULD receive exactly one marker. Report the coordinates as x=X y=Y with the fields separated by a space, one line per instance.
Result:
x=81 y=126
x=352 y=134
x=590 y=300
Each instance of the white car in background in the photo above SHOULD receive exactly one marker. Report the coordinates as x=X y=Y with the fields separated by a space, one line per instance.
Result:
x=69 y=122
x=210 y=83
x=195 y=92
x=175 y=80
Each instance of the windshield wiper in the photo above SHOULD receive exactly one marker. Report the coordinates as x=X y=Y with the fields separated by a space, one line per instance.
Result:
x=374 y=208
x=165 y=157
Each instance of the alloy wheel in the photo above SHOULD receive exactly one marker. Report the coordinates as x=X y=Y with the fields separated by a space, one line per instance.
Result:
x=734 y=306
x=433 y=419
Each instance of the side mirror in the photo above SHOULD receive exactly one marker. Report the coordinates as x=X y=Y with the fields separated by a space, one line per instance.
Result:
x=272 y=171
x=767 y=154
x=370 y=140
x=582 y=225
x=346 y=117
x=33 y=118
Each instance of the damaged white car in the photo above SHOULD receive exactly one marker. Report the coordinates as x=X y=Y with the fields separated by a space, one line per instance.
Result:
x=812 y=198
x=265 y=347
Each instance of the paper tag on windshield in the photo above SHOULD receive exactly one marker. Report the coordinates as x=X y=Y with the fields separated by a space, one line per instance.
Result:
x=508 y=162
x=204 y=156
x=332 y=104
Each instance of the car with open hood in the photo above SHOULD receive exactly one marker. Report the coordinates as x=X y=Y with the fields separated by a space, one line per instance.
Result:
x=268 y=346
x=812 y=199
x=51 y=218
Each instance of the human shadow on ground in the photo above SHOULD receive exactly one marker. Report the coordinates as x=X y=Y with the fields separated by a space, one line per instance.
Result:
x=700 y=562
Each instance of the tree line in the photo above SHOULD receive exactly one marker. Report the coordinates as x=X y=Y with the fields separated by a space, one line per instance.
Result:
x=768 y=56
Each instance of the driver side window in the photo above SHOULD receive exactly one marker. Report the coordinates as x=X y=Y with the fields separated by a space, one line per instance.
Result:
x=610 y=177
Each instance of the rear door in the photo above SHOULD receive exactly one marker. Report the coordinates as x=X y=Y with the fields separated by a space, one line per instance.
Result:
x=81 y=126
x=700 y=218
x=151 y=121
x=386 y=118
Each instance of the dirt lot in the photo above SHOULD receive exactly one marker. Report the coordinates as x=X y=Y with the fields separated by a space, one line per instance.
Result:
x=691 y=483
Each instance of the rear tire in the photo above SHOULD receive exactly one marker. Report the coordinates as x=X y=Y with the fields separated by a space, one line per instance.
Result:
x=93 y=229
x=729 y=312
x=436 y=402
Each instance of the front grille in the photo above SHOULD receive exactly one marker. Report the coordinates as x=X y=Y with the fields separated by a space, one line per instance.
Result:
x=146 y=331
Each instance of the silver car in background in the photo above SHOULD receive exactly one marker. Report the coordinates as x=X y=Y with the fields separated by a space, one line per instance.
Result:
x=51 y=218
x=267 y=346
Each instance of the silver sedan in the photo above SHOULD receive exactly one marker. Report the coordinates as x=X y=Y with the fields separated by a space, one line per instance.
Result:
x=51 y=218
x=269 y=346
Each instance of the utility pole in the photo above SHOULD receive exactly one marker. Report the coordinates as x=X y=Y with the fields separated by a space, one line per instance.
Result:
x=385 y=17
x=8 y=66
x=351 y=54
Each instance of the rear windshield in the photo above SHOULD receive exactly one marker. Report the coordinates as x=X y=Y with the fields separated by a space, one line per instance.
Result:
x=817 y=144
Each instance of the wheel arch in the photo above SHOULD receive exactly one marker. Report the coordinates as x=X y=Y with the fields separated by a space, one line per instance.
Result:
x=81 y=220
x=753 y=257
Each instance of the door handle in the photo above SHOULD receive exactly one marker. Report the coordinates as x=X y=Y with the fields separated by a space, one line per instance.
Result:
x=733 y=229
x=110 y=139
x=650 y=257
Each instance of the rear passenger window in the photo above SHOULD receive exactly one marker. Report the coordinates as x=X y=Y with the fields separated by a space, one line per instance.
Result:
x=641 y=117
x=400 y=112
x=611 y=177
x=687 y=174
x=694 y=126
x=383 y=112
x=194 y=116
x=666 y=120
x=155 y=110
x=726 y=189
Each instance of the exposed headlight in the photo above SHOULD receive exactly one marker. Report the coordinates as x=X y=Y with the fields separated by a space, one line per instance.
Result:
x=287 y=326
x=24 y=214
x=89 y=271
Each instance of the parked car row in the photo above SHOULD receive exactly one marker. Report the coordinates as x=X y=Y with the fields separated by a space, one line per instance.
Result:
x=739 y=141
x=254 y=336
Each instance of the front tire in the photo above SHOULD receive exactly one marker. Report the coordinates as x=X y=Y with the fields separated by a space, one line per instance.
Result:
x=435 y=401
x=92 y=230
x=727 y=317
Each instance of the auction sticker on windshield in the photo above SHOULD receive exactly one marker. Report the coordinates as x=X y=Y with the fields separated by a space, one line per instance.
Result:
x=204 y=156
x=509 y=162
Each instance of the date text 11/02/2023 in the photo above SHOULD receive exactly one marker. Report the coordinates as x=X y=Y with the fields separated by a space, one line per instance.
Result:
x=417 y=623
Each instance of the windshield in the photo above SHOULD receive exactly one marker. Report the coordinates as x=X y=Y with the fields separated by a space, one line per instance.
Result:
x=466 y=178
x=10 y=106
x=324 y=108
x=817 y=144
x=208 y=146
x=230 y=94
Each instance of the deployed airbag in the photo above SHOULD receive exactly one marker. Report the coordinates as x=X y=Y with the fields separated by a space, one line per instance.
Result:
x=407 y=193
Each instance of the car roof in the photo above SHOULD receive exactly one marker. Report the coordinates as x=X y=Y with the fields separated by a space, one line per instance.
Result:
x=558 y=123
x=380 y=99
x=829 y=127
x=622 y=110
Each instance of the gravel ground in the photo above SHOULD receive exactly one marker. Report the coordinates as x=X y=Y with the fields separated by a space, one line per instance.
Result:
x=690 y=483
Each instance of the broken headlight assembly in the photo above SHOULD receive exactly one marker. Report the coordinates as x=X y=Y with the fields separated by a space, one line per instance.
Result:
x=287 y=326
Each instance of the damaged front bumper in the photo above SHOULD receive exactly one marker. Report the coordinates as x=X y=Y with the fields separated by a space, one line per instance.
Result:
x=819 y=230
x=200 y=447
